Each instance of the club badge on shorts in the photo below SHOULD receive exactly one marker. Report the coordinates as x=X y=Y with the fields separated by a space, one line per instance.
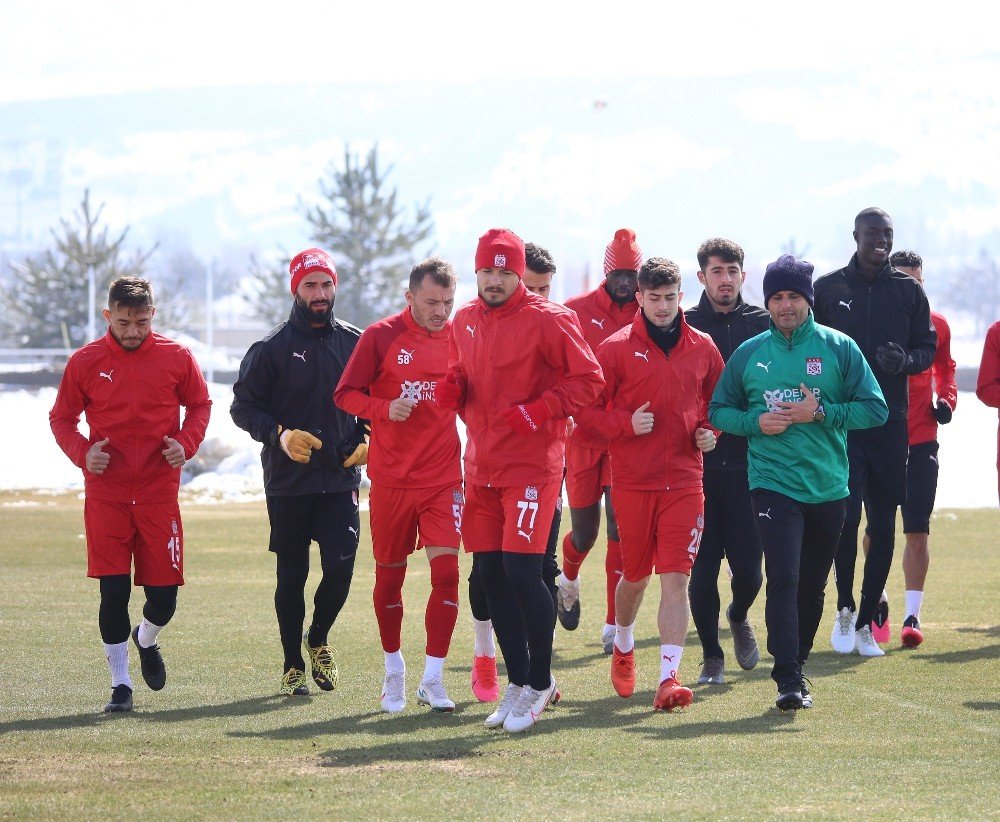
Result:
x=531 y=493
x=456 y=497
x=814 y=366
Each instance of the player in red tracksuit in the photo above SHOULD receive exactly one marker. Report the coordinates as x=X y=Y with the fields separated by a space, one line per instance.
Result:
x=924 y=414
x=988 y=382
x=519 y=366
x=130 y=385
x=609 y=307
x=660 y=374
x=413 y=465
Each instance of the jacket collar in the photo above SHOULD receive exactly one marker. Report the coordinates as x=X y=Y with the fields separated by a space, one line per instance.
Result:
x=608 y=305
x=512 y=304
x=705 y=306
x=117 y=349
x=854 y=270
x=798 y=335
x=639 y=328
x=298 y=320
x=410 y=322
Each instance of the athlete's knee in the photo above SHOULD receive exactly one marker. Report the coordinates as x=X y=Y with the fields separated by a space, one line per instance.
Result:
x=112 y=617
x=161 y=603
x=522 y=569
x=444 y=572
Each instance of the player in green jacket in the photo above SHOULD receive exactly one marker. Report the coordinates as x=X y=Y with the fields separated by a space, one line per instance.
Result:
x=794 y=391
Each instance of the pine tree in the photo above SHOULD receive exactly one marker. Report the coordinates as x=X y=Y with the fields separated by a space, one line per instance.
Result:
x=46 y=304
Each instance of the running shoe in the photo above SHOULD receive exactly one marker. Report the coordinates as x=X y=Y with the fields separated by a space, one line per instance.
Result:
x=880 y=622
x=324 y=668
x=807 y=699
x=293 y=683
x=608 y=638
x=712 y=671
x=499 y=716
x=842 y=638
x=485 y=687
x=556 y=696
x=866 y=644
x=623 y=672
x=431 y=692
x=529 y=706
x=671 y=694
x=568 y=602
x=393 y=697
x=744 y=642
x=121 y=700
x=154 y=672
x=790 y=694
x=912 y=635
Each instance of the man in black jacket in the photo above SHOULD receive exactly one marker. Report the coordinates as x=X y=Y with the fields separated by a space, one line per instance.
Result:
x=311 y=457
x=886 y=313
x=730 y=530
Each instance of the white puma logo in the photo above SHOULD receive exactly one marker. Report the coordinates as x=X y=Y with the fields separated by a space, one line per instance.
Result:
x=846 y=305
x=353 y=530
x=644 y=356
x=598 y=323
x=471 y=330
x=107 y=375
x=301 y=356
x=397 y=605
x=449 y=602
x=765 y=367
x=527 y=536
x=933 y=458
x=767 y=514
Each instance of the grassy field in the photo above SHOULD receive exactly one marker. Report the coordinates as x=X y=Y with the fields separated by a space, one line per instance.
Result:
x=913 y=735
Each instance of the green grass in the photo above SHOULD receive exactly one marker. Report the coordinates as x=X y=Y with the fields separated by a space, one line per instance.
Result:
x=913 y=735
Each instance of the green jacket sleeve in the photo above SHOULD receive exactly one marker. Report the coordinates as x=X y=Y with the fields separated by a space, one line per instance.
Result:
x=729 y=409
x=864 y=405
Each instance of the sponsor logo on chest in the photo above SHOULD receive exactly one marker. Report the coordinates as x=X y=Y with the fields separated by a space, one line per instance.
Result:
x=417 y=390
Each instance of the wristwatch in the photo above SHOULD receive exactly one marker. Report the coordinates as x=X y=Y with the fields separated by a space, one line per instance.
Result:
x=819 y=414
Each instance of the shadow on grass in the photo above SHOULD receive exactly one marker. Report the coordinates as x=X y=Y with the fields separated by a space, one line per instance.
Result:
x=990 y=630
x=968 y=655
x=982 y=706
x=243 y=707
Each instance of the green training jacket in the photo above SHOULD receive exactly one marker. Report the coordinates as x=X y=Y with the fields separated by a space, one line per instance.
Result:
x=807 y=461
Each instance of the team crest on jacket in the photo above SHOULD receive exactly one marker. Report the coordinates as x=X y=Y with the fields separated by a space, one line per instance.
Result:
x=456 y=497
x=814 y=366
x=531 y=493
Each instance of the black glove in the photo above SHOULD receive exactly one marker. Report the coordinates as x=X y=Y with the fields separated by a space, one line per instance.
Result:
x=942 y=412
x=891 y=358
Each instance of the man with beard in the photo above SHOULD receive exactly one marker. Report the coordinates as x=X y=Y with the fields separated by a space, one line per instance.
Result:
x=886 y=313
x=311 y=457
x=602 y=312
x=130 y=385
x=730 y=532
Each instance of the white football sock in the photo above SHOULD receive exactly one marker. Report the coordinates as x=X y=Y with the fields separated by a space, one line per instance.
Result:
x=670 y=661
x=148 y=632
x=117 y=656
x=433 y=668
x=483 y=644
x=394 y=663
x=624 y=641
x=914 y=599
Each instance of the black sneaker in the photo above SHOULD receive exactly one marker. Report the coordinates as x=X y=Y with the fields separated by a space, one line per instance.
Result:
x=789 y=695
x=807 y=699
x=568 y=602
x=154 y=672
x=121 y=700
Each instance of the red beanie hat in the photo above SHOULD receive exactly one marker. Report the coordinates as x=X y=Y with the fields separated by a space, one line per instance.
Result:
x=305 y=262
x=501 y=248
x=623 y=252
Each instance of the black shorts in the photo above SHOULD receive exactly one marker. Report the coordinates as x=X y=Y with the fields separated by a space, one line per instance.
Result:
x=921 y=488
x=330 y=519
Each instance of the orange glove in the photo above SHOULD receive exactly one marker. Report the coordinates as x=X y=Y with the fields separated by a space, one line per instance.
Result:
x=298 y=445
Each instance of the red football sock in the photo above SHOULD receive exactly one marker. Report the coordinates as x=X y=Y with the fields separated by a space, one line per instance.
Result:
x=613 y=571
x=388 y=599
x=442 y=604
x=572 y=559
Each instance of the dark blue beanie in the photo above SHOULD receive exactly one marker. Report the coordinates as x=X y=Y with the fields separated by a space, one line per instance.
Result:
x=788 y=274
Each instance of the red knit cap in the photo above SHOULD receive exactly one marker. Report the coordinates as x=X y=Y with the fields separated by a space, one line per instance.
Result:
x=501 y=248
x=623 y=252
x=305 y=262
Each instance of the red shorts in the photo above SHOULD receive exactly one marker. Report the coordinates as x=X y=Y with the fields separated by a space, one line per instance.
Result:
x=151 y=533
x=588 y=473
x=658 y=529
x=516 y=518
x=398 y=516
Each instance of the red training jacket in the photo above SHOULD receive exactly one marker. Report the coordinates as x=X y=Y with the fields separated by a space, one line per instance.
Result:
x=938 y=379
x=526 y=349
x=133 y=398
x=397 y=357
x=678 y=389
x=600 y=317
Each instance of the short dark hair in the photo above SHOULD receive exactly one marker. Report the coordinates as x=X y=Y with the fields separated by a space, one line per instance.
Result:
x=726 y=250
x=440 y=271
x=906 y=259
x=538 y=259
x=871 y=212
x=130 y=292
x=657 y=272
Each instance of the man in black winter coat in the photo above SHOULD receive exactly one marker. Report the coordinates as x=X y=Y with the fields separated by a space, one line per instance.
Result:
x=887 y=314
x=730 y=530
x=311 y=457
